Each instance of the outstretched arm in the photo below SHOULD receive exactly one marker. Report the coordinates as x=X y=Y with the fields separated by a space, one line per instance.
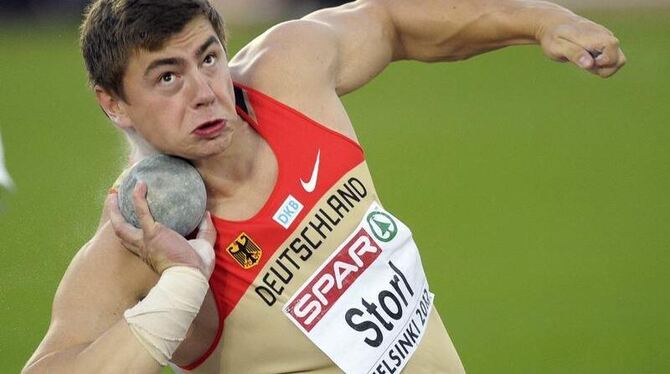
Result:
x=448 y=30
x=347 y=46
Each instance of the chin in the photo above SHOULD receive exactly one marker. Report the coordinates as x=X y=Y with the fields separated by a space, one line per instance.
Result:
x=206 y=152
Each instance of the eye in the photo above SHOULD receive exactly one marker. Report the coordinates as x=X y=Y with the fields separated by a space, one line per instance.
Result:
x=166 y=78
x=210 y=59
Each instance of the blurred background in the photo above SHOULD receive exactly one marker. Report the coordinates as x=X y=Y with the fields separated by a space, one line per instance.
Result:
x=537 y=193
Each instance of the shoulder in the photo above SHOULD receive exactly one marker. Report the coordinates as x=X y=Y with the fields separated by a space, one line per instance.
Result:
x=295 y=63
x=294 y=56
x=337 y=49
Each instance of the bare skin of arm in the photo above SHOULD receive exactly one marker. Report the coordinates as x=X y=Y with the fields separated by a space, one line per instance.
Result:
x=88 y=333
x=308 y=63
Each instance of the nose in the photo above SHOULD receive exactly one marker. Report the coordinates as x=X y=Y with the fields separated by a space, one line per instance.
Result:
x=204 y=94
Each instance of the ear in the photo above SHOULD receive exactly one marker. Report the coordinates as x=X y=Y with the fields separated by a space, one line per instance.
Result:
x=114 y=107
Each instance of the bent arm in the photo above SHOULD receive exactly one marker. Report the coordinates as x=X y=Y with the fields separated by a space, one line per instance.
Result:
x=345 y=47
x=116 y=351
x=369 y=34
x=87 y=332
x=92 y=328
x=450 y=30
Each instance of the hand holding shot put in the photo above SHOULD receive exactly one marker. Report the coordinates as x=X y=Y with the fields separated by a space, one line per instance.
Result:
x=152 y=224
x=157 y=245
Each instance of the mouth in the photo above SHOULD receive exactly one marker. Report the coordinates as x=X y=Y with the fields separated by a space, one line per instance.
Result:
x=210 y=129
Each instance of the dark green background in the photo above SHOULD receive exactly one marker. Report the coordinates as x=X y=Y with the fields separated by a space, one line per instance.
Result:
x=537 y=193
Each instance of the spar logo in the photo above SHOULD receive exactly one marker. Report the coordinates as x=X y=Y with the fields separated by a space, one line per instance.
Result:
x=383 y=226
x=316 y=298
x=245 y=251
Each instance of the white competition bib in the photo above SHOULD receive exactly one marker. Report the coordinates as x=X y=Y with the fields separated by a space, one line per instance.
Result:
x=368 y=305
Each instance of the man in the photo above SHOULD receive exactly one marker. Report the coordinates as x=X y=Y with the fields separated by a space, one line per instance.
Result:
x=309 y=272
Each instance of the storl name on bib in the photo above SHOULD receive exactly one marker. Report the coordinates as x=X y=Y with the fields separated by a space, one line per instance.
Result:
x=367 y=305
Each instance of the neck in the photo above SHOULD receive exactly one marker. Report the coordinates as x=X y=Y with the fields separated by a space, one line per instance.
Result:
x=227 y=172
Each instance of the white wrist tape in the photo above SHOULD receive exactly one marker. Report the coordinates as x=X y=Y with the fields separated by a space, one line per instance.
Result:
x=161 y=320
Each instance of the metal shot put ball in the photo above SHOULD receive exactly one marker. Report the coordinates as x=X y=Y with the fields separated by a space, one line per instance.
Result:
x=175 y=193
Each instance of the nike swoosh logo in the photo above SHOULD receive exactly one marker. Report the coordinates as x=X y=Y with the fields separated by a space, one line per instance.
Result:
x=311 y=184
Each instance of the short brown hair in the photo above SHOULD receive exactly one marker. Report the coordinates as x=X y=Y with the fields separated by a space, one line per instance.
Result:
x=113 y=29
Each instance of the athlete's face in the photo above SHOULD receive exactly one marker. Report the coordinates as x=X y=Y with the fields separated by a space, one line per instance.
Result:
x=180 y=99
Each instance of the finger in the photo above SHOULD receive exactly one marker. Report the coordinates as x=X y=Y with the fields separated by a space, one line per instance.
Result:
x=606 y=72
x=129 y=234
x=567 y=50
x=609 y=57
x=621 y=61
x=128 y=231
x=206 y=230
x=608 y=69
x=142 y=211
x=622 y=58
